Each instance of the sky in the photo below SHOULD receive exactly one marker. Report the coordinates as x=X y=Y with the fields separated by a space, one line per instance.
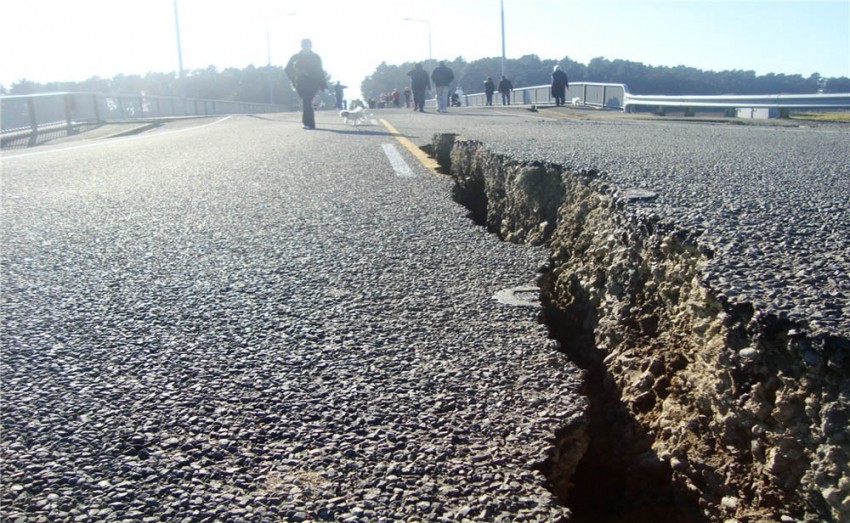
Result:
x=73 y=40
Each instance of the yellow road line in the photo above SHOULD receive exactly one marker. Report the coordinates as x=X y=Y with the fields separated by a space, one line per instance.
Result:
x=420 y=155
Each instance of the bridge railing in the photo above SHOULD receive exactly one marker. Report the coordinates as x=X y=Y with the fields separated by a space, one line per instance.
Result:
x=617 y=96
x=773 y=101
x=31 y=118
x=594 y=94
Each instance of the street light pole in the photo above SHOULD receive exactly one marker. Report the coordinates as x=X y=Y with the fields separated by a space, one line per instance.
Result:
x=271 y=73
x=429 y=41
x=408 y=19
x=502 y=5
x=179 y=49
x=269 y=55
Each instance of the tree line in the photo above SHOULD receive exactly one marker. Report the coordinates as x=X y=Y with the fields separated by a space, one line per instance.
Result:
x=530 y=70
x=270 y=84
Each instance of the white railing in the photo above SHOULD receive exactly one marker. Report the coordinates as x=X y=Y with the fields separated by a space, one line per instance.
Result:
x=773 y=101
x=617 y=96
x=594 y=94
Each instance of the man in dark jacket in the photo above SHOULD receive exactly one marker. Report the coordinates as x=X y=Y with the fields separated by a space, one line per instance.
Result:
x=442 y=77
x=339 y=92
x=418 y=84
x=559 y=85
x=505 y=88
x=489 y=89
x=307 y=76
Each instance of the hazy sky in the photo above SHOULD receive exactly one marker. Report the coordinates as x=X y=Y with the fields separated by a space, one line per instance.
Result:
x=71 y=40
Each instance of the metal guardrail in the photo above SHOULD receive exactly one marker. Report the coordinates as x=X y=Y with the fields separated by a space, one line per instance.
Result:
x=617 y=96
x=773 y=101
x=599 y=95
x=30 y=118
x=602 y=95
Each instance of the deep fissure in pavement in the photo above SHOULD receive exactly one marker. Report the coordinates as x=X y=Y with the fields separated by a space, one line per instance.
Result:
x=701 y=405
x=617 y=478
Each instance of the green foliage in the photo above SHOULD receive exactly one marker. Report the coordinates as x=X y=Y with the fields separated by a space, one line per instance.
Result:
x=836 y=85
x=252 y=84
x=530 y=70
x=824 y=116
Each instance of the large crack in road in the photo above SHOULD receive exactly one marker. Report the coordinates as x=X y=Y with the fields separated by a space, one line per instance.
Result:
x=699 y=409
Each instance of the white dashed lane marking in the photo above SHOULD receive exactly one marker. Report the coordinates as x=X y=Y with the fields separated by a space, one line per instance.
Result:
x=402 y=170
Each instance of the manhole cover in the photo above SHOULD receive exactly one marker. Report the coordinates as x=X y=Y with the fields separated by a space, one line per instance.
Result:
x=522 y=296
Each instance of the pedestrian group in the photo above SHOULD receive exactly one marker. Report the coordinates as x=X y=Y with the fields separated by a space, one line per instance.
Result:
x=308 y=77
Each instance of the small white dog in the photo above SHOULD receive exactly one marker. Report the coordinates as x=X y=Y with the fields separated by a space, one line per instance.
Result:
x=354 y=116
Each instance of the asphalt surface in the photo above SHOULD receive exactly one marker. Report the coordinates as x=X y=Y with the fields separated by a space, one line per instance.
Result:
x=238 y=320
x=241 y=320
x=770 y=200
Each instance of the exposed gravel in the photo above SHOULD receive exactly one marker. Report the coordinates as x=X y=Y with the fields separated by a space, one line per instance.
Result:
x=771 y=202
x=211 y=332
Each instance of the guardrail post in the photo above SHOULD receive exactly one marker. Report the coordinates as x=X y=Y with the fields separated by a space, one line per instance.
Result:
x=33 y=123
x=96 y=109
x=69 y=127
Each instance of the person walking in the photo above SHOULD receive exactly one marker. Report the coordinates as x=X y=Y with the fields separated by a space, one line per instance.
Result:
x=442 y=76
x=559 y=85
x=489 y=89
x=505 y=88
x=419 y=82
x=339 y=93
x=457 y=97
x=304 y=70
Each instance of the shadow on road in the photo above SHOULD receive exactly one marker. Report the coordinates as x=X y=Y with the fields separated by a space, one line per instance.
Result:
x=355 y=131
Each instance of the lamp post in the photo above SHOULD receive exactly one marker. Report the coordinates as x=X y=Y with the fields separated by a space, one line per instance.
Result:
x=502 y=5
x=269 y=54
x=408 y=19
x=179 y=49
x=271 y=73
